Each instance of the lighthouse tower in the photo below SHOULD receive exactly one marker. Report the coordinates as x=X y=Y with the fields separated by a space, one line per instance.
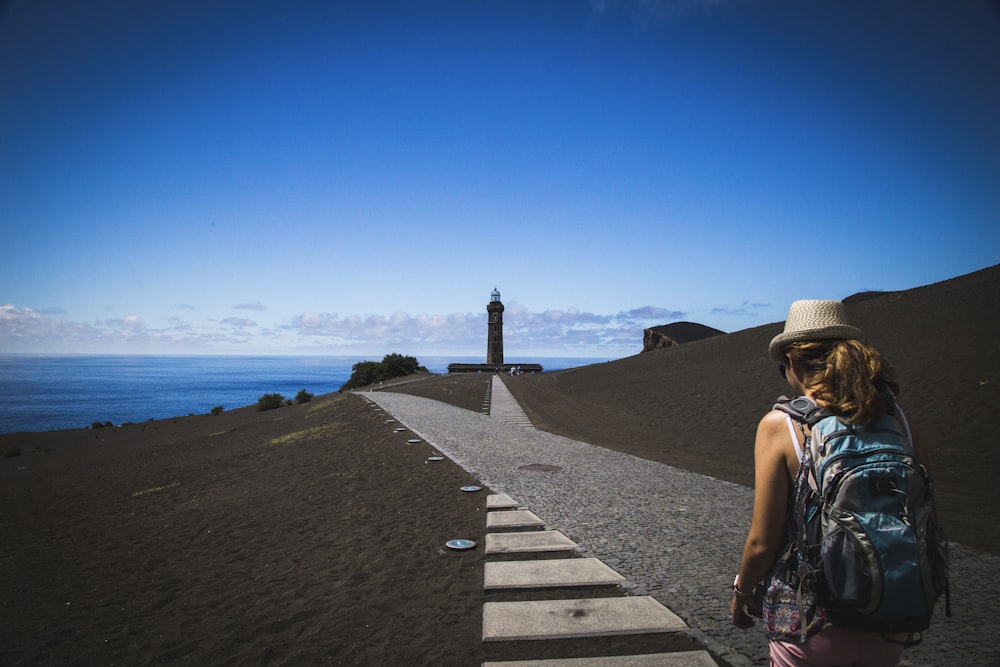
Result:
x=494 y=345
x=494 y=338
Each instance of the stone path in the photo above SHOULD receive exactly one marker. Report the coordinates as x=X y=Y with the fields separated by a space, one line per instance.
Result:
x=503 y=406
x=570 y=617
x=675 y=535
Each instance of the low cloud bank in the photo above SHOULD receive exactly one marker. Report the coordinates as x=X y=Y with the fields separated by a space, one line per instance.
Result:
x=570 y=332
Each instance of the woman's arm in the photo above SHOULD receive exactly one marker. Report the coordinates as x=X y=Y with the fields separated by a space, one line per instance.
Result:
x=774 y=459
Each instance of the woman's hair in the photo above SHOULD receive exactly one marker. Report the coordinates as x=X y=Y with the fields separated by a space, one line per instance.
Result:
x=847 y=376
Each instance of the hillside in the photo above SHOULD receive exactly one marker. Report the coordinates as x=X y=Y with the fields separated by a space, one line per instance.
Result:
x=696 y=405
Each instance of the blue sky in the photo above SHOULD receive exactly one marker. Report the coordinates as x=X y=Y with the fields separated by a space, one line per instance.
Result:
x=357 y=177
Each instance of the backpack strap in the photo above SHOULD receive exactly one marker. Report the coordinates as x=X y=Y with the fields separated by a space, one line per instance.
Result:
x=906 y=429
x=805 y=411
x=802 y=409
x=893 y=409
x=794 y=436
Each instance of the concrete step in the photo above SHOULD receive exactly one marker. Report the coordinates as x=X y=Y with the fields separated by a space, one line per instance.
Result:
x=550 y=574
x=534 y=541
x=564 y=619
x=679 y=659
x=500 y=501
x=512 y=519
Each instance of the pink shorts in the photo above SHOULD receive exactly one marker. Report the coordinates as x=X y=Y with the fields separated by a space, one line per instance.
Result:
x=839 y=647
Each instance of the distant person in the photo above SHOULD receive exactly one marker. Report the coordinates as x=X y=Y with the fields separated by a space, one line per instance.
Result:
x=821 y=358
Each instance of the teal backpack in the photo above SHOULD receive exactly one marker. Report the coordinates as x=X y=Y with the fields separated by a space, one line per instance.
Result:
x=867 y=536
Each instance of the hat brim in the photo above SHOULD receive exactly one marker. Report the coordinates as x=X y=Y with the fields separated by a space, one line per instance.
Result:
x=834 y=332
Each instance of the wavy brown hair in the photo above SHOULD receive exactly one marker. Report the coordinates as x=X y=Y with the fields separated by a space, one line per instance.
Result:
x=848 y=377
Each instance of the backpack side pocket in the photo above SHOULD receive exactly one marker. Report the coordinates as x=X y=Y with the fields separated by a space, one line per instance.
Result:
x=850 y=566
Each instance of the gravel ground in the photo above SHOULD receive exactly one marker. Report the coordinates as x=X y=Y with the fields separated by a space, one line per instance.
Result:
x=673 y=534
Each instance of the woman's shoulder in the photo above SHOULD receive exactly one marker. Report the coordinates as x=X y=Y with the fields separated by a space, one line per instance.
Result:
x=773 y=420
x=774 y=435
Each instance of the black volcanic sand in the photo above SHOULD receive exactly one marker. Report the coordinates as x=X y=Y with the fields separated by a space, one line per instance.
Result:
x=696 y=406
x=310 y=534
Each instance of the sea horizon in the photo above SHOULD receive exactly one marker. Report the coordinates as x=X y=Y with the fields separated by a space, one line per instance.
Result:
x=55 y=391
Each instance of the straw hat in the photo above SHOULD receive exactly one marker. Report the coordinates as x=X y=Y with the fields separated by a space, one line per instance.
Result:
x=812 y=319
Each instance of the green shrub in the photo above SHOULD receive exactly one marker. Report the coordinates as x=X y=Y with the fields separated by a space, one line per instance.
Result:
x=362 y=374
x=396 y=365
x=303 y=396
x=217 y=410
x=270 y=402
x=365 y=373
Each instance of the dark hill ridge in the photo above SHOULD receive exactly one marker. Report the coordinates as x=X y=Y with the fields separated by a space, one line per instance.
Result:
x=863 y=296
x=677 y=333
x=696 y=406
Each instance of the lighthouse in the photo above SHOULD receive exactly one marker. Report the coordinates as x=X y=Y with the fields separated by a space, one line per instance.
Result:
x=494 y=345
x=494 y=334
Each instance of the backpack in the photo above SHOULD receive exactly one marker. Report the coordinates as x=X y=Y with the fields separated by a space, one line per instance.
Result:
x=867 y=538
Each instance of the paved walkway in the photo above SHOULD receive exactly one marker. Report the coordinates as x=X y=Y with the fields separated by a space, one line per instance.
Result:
x=674 y=535
x=504 y=406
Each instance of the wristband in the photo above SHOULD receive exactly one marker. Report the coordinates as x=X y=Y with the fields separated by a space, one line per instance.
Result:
x=737 y=591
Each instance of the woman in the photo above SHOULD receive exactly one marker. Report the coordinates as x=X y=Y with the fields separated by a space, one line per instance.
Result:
x=820 y=357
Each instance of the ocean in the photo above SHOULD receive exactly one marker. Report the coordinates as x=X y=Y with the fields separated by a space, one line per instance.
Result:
x=49 y=392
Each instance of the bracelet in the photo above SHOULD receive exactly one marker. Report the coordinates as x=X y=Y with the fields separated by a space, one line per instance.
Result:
x=737 y=591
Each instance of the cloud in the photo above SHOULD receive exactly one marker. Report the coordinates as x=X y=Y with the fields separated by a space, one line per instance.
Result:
x=237 y=322
x=179 y=325
x=132 y=322
x=654 y=313
x=567 y=332
x=745 y=309
x=20 y=323
x=27 y=330
x=395 y=329
x=573 y=330
x=257 y=305
x=555 y=331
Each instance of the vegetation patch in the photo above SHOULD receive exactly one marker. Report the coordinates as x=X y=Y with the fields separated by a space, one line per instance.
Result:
x=156 y=489
x=325 y=406
x=307 y=435
x=270 y=402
